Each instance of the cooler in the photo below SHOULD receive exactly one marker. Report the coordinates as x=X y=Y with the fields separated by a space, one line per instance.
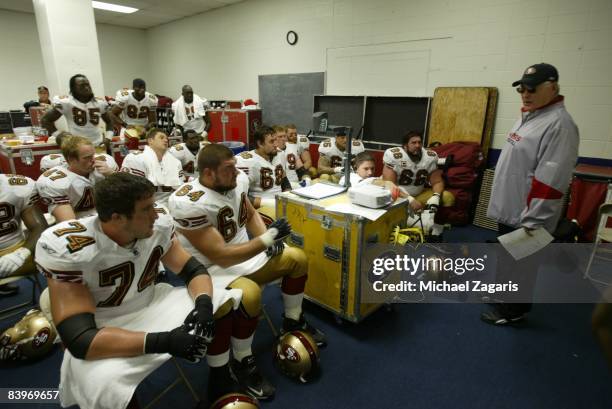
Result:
x=335 y=244
x=233 y=125
x=25 y=159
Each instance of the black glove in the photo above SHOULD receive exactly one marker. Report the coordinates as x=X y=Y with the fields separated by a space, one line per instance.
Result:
x=201 y=318
x=275 y=249
x=177 y=342
x=283 y=227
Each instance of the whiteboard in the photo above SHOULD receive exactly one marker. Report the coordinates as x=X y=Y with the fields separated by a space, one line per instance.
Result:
x=391 y=69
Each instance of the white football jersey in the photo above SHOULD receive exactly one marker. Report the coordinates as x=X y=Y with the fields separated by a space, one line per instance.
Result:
x=264 y=176
x=412 y=176
x=59 y=186
x=110 y=161
x=17 y=193
x=134 y=112
x=194 y=206
x=189 y=161
x=293 y=151
x=118 y=278
x=83 y=119
x=166 y=175
x=328 y=149
x=50 y=161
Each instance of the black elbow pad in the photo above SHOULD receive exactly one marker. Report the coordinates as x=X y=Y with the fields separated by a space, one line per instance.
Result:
x=77 y=332
x=192 y=269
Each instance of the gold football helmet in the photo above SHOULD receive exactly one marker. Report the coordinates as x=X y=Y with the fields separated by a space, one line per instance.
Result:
x=235 y=401
x=30 y=338
x=297 y=355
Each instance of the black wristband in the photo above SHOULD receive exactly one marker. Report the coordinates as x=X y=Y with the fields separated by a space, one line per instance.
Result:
x=285 y=184
x=204 y=303
x=300 y=172
x=157 y=343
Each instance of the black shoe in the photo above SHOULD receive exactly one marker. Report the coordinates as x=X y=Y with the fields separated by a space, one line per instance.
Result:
x=8 y=289
x=435 y=238
x=221 y=382
x=303 y=325
x=496 y=317
x=251 y=379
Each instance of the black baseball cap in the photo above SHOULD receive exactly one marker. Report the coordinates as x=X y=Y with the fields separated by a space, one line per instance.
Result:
x=536 y=74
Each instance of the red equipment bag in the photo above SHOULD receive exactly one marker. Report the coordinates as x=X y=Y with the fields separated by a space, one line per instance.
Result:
x=468 y=154
x=461 y=177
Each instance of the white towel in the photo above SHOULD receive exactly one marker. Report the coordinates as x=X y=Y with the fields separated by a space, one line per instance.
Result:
x=168 y=172
x=178 y=107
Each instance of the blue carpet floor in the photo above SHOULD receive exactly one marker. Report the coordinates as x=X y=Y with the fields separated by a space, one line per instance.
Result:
x=412 y=356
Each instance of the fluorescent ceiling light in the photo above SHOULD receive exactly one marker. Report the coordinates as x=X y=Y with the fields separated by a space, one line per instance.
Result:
x=113 y=7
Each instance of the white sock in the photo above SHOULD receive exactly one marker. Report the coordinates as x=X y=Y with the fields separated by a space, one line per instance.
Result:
x=215 y=361
x=241 y=348
x=293 y=305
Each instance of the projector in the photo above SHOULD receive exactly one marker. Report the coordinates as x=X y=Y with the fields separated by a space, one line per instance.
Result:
x=369 y=195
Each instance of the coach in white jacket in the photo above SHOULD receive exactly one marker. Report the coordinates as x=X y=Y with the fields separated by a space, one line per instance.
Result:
x=532 y=175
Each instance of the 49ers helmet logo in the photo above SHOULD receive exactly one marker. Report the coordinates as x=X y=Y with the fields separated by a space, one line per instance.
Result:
x=41 y=338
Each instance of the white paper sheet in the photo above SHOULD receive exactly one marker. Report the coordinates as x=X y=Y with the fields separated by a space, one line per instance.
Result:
x=371 y=214
x=520 y=244
x=319 y=190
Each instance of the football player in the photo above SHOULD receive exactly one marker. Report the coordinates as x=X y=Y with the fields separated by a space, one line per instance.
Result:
x=116 y=324
x=412 y=167
x=331 y=154
x=156 y=164
x=18 y=198
x=298 y=146
x=57 y=159
x=216 y=219
x=82 y=111
x=68 y=191
x=266 y=168
x=190 y=112
x=135 y=108
x=187 y=152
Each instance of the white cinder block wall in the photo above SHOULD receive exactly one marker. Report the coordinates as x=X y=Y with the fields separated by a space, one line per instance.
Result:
x=384 y=47
x=123 y=52
x=399 y=47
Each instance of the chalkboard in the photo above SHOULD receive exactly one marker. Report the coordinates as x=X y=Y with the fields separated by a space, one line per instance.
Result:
x=342 y=110
x=288 y=98
x=387 y=119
